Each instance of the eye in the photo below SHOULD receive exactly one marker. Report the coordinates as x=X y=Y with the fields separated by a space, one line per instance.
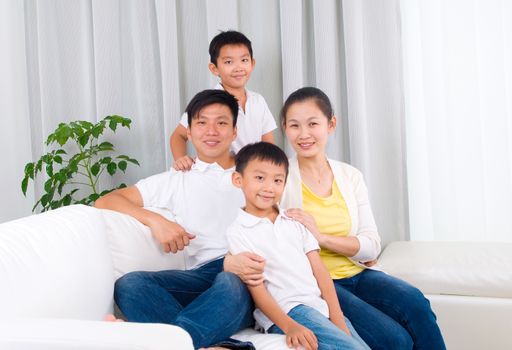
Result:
x=293 y=126
x=228 y=62
x=259 y=177
x=201 y=122
x=245 y=60
x=312 y=124
x=278 y=181
x=223 y=123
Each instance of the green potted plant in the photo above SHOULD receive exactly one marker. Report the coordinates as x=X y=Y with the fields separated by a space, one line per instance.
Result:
x=72 y=175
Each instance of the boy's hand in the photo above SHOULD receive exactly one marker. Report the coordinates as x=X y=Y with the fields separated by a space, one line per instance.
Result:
x=298 y=335
x=248 y=266
x=305 y=219
x=184 y=163
x=171 y=236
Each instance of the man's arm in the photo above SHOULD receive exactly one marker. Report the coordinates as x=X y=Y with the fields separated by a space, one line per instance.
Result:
x=178 y=143
x=129 y=201
x=327 y=289
x=296 y=334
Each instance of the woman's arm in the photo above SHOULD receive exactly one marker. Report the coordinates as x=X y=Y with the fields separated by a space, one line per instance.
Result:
x=327 y=289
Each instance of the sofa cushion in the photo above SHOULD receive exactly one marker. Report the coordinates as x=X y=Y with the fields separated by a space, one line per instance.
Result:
x=56 y=264
x=453 y=268
x=133 y=246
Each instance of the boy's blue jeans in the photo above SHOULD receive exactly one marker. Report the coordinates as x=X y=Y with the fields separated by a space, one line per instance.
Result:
x=329 y=336
x=209 y=304
x=388 y=313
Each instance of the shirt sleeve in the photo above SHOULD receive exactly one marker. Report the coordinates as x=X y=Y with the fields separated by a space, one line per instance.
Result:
x=184 y=120
x=159 y=190
x=310 y=242
x=269 y=123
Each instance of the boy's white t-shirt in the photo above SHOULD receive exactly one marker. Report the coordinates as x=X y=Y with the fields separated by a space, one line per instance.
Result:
x=203 y=201
x=284 y=245
x=256 y=121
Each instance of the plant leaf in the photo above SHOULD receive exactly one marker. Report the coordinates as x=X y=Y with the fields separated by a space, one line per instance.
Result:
x=111 y=168
x=122 y=165
x=24 y=185
x=95 y=169
x=134 y=161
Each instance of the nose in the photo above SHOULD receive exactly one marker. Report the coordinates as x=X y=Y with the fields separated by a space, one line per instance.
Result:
x=212 y=129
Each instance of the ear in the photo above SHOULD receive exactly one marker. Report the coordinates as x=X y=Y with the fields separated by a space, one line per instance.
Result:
x=236 y=178
x=332 y=124
x=213 y=69
x=253 y=63
x=235 y=133
x=189 y=136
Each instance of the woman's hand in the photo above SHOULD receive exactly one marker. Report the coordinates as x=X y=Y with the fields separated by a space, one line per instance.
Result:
x=184 y=163
x=305 y=219
x=248 y=266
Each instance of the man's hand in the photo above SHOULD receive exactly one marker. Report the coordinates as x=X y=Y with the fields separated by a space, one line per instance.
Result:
x=170 y=235
x=248 y=266
x=184 y=163
x=297 y=335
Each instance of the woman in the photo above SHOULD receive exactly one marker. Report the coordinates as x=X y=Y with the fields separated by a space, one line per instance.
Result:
x=330 y=198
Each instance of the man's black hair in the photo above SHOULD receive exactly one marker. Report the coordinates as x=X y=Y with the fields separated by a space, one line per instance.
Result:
x=263 y=151
x=230 y=37
x=208 y=97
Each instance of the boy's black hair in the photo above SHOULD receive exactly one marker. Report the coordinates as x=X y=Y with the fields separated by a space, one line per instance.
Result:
x=264 y=151
x=208 y=97
x=230 y=37
x=304 y=94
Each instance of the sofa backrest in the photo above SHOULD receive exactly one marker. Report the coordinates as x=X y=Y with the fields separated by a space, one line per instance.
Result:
x=56 y=265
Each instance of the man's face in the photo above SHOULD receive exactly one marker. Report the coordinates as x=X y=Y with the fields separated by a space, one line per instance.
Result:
x=234 y=66
x=212 y=132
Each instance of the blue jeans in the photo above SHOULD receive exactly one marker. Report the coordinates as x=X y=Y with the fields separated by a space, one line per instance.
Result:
x=388 y=313
x=329 y=336
x=209 y=304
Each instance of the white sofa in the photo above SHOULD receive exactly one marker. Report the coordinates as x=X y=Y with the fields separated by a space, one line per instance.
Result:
x=57 y=272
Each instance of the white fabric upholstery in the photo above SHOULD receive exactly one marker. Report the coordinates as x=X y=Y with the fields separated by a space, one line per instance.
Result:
x=56 y=264
x=469 y=286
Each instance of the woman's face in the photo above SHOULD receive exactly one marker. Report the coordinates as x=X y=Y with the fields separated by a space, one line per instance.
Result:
x=307 y=128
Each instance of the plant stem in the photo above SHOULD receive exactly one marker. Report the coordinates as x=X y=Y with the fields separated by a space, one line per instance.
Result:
x=89 y=174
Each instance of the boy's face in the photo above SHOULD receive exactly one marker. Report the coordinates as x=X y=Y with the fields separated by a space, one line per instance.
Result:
x=234 y=66
x=262 y=183
x=212 y=132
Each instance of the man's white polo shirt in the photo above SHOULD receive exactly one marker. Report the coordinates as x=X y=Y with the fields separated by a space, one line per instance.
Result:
x=284 y=245
x=203 y=200
x=256 y=121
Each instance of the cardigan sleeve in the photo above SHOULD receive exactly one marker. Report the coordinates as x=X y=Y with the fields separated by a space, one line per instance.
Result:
x=369 y=239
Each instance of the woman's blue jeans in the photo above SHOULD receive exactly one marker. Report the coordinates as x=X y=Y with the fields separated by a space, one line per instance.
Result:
x=209 y=304
x=329 y=336
x=388 y=313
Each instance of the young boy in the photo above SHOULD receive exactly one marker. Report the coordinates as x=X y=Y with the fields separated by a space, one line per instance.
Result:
x=232 y=61
x=298 y=296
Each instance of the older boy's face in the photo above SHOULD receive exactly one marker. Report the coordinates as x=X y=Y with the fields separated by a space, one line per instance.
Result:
x=212 y=132
x=234 y=66
x=262 y=183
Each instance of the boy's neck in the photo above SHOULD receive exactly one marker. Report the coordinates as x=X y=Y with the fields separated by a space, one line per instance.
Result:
x=270 y=213
x=239 y=93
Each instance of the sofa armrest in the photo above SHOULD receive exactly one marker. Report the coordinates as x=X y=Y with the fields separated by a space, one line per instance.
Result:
x=62 y=334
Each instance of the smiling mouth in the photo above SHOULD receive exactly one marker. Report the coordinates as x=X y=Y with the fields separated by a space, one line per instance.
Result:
x=306 y=144
x=211 y=143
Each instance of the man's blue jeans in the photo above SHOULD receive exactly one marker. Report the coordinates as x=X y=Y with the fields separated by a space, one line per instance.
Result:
x=388 y=313
x=329 y=336
x=209 y=304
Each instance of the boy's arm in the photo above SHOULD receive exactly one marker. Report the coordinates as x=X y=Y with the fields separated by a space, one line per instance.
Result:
x=268 y=137
x=296 y=334
x=129 y=201
x=327 y=289
x=178 y=143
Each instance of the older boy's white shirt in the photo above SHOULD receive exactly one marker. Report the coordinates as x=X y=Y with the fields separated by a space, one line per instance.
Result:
x=256 y=121
x=284 y=245
x=203 y=200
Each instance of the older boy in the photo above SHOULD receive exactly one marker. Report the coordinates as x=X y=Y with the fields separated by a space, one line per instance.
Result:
x=298 y=297
x=231 y=59
x=208 y=303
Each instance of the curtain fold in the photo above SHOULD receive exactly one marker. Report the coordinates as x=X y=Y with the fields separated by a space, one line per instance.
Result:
x=87 y=59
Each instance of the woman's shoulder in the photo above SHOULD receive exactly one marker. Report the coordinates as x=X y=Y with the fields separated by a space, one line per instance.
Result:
x=344 y=169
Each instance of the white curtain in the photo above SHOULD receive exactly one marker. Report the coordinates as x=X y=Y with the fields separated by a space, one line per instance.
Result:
x=84 y=59
x=458 y=102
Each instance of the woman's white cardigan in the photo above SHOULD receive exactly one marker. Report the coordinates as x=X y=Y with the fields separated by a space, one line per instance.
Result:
x=353 y=189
